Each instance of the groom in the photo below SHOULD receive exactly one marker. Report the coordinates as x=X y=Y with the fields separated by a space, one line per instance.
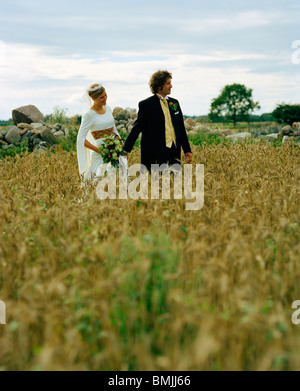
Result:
x=161 y=123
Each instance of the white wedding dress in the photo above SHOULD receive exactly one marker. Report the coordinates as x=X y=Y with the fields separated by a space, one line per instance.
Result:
x=90 y=163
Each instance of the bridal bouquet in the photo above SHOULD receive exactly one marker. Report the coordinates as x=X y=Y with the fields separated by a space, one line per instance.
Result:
x=111 y=150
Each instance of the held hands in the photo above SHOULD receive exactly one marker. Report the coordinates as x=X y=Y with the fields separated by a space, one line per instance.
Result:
x=188 y=157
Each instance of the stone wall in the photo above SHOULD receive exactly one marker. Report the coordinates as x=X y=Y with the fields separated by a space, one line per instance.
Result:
x=38 y=136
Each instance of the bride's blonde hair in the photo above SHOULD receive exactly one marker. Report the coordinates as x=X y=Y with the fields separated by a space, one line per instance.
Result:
x=96 y=91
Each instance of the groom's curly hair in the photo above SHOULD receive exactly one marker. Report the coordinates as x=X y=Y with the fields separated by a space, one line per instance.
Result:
x=158 y=79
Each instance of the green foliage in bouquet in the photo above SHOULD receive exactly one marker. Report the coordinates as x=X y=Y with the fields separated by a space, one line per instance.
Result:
x=111 y=150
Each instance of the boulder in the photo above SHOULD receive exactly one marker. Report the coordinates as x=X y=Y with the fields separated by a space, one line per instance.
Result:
x=117 y=110
x=58 y=127
x=59 y=134
x=239 y=136
x=123 y=115
x=215 y=131
x=13 y=135
x=27 y=114
x=296 y=126
x=48 y=136
x=39 y=149
x=269 y=137
x=37 y=126
x=286 y=131
x=26 y=136
x=190 y=122
x=202 y=129
x=226 y=132
x=130 y=123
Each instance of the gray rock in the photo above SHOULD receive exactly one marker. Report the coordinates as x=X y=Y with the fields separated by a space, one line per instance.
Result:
x=59 y=135
x=27 y=135
x=133 y=116
x=287 y=128
x=3 y=132
x=27 y=114
x=215 y=131
x=202 y=129
x=120 y=127
x=12 y=127
x=239 y=136
x=123 y=115
x=227 y=132
x=35 y=136
x=130 y=122
x=117 y=110
x=48 y=136
x=44 y=144
x=57 y=127
x=37 y=141
x=13 y=135
x=37 y=126
x=269 y=137
x=39 y=149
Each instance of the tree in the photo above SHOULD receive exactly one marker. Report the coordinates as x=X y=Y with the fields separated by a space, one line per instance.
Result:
x=287 y=114
x=234 y=103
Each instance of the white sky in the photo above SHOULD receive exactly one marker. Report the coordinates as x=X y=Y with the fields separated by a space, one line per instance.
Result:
x=51 y=51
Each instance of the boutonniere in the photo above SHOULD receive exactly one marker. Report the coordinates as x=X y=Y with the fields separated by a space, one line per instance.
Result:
x=173 y=106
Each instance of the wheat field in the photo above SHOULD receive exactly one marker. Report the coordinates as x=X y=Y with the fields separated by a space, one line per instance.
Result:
x=145 y=284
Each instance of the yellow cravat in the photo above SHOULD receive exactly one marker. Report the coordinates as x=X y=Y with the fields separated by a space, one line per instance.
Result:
x=165 y=102
x=170 y=132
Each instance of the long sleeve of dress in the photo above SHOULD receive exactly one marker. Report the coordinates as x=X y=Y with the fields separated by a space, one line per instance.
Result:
x=83 y=153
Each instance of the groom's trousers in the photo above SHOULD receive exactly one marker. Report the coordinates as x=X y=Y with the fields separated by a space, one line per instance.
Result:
x=171 y=155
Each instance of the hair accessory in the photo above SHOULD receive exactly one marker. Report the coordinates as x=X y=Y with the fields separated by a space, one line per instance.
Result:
x=97 y=87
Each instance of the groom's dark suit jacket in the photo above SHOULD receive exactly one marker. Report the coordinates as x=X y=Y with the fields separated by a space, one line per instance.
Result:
x=151 y=123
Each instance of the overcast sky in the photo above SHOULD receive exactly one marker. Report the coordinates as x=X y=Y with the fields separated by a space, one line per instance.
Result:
x=51 y=51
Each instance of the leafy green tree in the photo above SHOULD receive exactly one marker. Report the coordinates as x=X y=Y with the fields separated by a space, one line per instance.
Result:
x=234 y=104
x=287 y=114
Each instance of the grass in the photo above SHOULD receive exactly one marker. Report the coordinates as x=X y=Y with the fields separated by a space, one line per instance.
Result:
x=147 y=285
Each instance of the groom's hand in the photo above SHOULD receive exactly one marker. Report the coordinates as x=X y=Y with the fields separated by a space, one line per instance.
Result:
x=188 y=157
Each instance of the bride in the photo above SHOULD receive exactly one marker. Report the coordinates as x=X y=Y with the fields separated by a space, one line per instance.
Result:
x=96 y=123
